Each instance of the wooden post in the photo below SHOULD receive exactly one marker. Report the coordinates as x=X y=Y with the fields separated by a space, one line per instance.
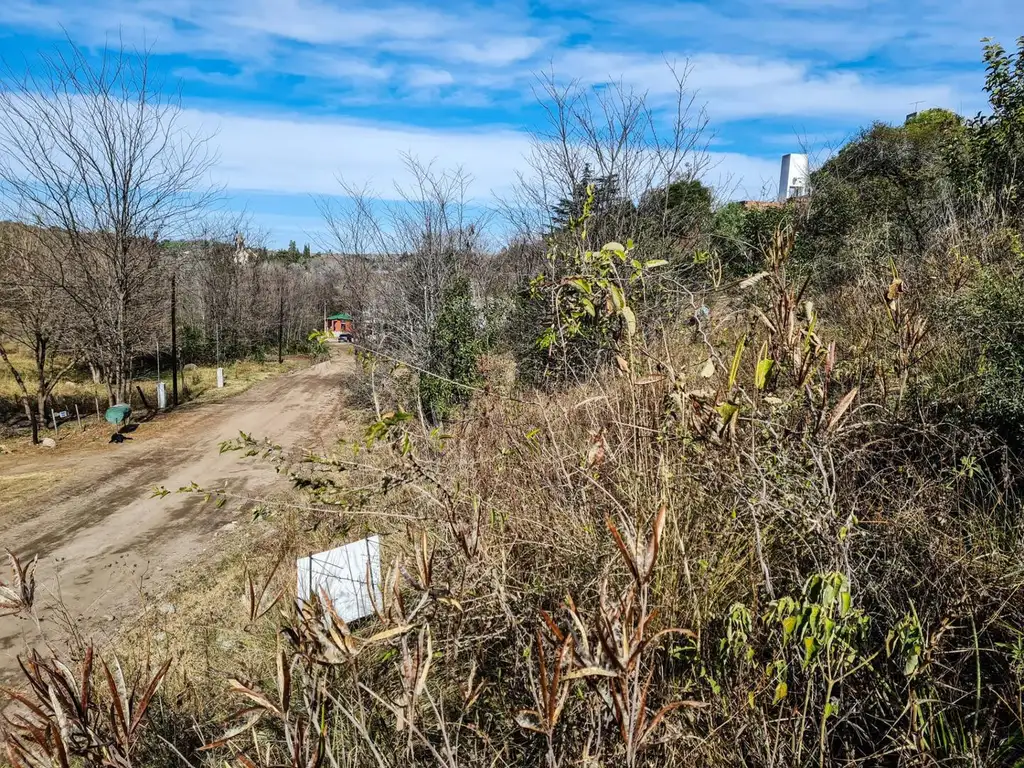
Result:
x=142 y=394
x=174 y=343
x=280 y=326
x=98 y=417
x=79 y=417
x=53 y=415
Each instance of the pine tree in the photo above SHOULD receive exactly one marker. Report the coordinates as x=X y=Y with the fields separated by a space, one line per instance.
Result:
x=570 y=209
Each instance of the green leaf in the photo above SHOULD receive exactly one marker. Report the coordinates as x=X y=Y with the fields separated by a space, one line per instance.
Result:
x=728 y=411
x=812 y=618
x=630 y=319
x=588 y=307
x=652 y=263
x=828 y=594
x=618 y=300
x=912 y=663
x=780 y=692
x=844 y=607
x=788 y=626
x=615 y=247
x=764 y=369
x=810 y=646
x=734 y=369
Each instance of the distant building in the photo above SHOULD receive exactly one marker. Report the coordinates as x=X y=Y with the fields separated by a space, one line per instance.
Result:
x=341 y=326
x=795 y=179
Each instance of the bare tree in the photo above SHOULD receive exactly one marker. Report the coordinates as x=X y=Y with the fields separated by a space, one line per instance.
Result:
x=398 y=258
x=96 y=157
x=617 y=137
x=35 y=316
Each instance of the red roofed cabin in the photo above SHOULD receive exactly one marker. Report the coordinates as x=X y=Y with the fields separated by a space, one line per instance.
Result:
x=341 y=326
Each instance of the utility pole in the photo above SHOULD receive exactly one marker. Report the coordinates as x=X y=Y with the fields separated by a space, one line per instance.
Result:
x=280 y=326
x=174 y=340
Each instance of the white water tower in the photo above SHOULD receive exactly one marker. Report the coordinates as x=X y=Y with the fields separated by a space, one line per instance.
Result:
x=795 y=179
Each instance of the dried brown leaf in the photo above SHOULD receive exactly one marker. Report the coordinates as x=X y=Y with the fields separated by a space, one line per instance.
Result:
x=841 y=407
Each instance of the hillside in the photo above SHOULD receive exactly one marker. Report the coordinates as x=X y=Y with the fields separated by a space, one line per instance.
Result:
x=658 y=479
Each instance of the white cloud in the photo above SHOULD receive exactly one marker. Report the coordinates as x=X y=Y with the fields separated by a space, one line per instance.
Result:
x=336 y=67
x=313 y=22
x=427 y=77
x=362 y=46
x=494 y=52
x=743 y=87
x=300 y=156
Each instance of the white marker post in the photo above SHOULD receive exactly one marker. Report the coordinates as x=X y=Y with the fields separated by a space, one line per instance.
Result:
x=220 y=378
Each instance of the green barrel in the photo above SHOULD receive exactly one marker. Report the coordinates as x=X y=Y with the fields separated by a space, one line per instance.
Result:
x=118 y=414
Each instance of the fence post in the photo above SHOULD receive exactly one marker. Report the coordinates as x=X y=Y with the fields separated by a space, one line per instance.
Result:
x=79 y=417
x=53 y=415
x=97 y=408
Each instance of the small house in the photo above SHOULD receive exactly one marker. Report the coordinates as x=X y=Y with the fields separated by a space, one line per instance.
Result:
x=341 y=326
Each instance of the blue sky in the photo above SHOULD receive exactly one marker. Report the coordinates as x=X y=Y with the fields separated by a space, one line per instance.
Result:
x=299 y=91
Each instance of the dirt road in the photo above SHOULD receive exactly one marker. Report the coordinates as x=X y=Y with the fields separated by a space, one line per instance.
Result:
x=102 y=538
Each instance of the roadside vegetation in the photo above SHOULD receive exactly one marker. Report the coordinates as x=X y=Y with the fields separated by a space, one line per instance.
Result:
x=659 y=481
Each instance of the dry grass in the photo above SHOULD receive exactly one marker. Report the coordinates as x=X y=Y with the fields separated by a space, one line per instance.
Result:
x=17 y=490
x=688 y=560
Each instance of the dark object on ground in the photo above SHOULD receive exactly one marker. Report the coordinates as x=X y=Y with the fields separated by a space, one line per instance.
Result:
x=117 y=437
x=118 y=414
x=143 y=396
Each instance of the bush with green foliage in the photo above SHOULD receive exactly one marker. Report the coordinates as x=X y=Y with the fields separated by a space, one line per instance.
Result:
x=741 y=234
x=986 y=320
x=990 y=158
x=583 y=310
x=885 y=193
x=453 y=350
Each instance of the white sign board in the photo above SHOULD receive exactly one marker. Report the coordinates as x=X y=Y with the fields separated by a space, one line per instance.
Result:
x=342 y=573
x=62 y=415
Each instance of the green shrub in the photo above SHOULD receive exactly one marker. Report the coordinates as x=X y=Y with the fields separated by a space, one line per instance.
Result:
x=452 y=353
